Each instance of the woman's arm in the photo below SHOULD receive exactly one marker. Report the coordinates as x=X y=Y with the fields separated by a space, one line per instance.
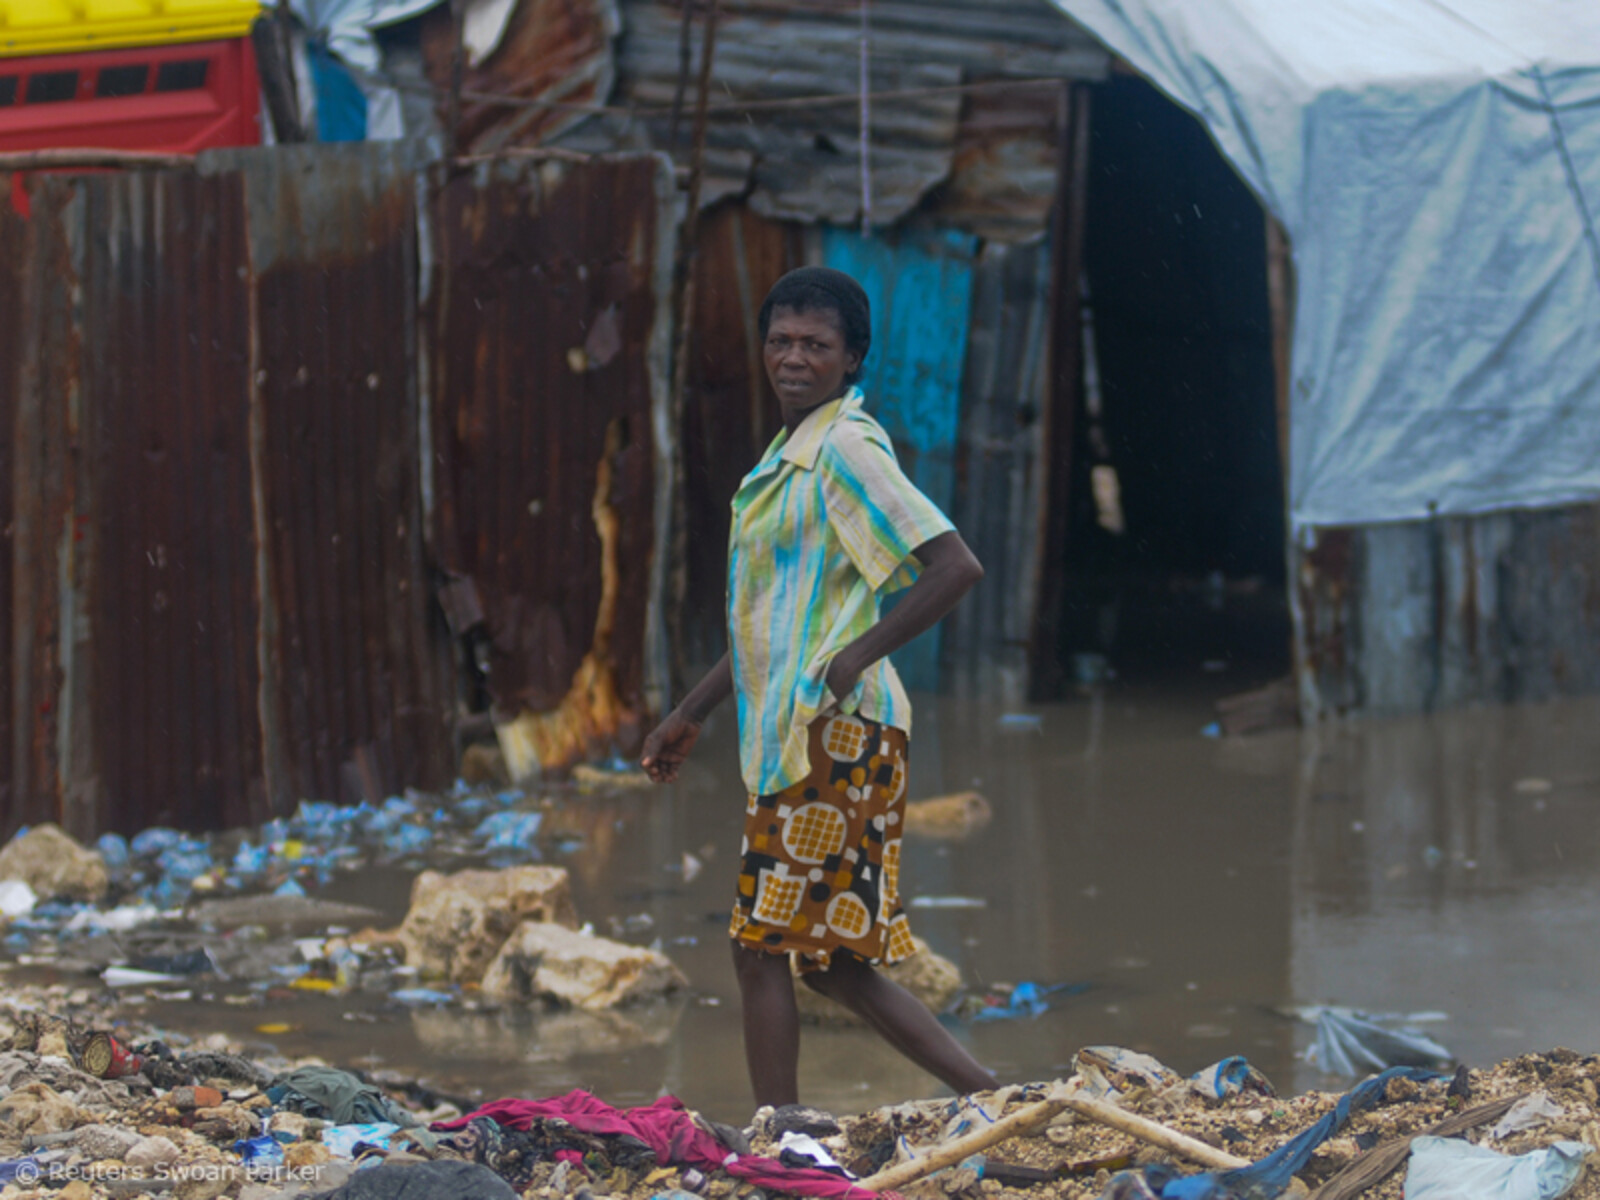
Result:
x=949 y=571
x=670 y=742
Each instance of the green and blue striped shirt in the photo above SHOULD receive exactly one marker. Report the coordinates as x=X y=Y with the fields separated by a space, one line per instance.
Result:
x=823 y=527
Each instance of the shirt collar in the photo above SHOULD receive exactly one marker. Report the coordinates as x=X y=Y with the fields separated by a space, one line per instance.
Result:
x=805 y=443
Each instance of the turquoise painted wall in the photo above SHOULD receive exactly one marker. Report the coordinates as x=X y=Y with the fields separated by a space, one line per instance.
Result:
x=920 y=286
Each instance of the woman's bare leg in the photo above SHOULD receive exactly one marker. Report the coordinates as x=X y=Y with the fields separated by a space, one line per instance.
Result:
x=771 y=1025
x=902 y=1020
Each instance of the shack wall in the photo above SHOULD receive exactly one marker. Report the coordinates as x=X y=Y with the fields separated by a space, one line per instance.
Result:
x=1419 y=616
x=218 y=489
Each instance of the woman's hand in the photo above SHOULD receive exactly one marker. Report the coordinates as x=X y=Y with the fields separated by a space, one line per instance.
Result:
x=841 y=677
x=668 y=746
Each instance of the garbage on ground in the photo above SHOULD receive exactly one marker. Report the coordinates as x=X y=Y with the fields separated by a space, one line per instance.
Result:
x=1006 y=1002
x=1353 y=1043
x=955 y=816
x=1448 y=1169
x=1232 y=1076
x=201 y=1101
x=1528 y=1113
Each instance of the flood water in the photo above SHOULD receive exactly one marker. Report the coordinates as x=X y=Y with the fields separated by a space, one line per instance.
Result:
x=1447 y=863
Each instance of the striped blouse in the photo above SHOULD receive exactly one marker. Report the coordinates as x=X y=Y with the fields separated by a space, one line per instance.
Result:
x=822 y=528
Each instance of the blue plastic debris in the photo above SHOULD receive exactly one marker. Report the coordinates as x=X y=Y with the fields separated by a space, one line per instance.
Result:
x=289 y=887
x=1445 y=1168
x=263 y=1151
x=1230 y=1077
x=1027 y=1000
x=421 y=997
x=1353 y=1043
x=1271 y=1175
x=509 y=830
x=342 y=1140
x=408 y=839
x=113 y=848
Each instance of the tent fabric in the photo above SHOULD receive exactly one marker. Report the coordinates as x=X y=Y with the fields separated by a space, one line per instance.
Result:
x=1436 y=164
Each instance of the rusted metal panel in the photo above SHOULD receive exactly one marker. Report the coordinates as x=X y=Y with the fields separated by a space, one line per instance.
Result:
x=998 y=474
x=1419 y=616
x=557 y=50
x=547 y=381
x=1004 y=172
x=358 y=704
x=43 y=376
x=730 y=413
x=167 y=568
x=803 y=162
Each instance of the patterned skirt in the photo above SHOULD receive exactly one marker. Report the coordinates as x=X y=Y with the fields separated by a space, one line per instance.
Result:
x=820 y=870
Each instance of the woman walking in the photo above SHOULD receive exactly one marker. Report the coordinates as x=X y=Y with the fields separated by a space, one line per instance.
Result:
x=823 y=527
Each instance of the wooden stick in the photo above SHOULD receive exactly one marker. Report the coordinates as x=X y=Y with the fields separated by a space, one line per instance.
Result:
x=947 y=1155
x=1377 y=1165
x=1147 y=1130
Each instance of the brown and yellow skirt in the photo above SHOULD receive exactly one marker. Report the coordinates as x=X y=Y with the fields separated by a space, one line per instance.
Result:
x=821 y=860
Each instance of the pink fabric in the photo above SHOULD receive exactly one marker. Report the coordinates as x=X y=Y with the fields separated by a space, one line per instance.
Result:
x=671 y=1133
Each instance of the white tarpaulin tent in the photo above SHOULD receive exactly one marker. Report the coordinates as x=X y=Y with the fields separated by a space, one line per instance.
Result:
x=1437 y=166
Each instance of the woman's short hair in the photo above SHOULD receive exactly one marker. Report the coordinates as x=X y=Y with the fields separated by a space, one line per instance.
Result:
x=822 y=289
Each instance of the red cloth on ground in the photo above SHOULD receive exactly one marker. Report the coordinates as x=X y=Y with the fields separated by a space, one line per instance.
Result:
x=668 y=1129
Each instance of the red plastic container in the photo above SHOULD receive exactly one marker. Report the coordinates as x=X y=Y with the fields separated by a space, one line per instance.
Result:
x=179 y=98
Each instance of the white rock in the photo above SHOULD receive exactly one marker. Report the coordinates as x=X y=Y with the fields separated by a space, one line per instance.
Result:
x=151 y=1152
x=542 y=961
x=457 y=923
x=53 y=864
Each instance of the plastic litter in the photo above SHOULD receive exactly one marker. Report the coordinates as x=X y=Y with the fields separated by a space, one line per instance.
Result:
x=796 y=1149
x=1268 y=1176
x=947 y=902
x=114 y=852
x=263 y=1151
x=289 y=887
x=342 y=1140
x=1026 y=1000
x=1230 y=1077
x=1353 y=1043
x=1528 y=1113
x=116 y=920
x=1449 y=1169
x=21 y=1170
x=509 y=830
x=16 y=898
x=121 y=977
x=421 y=997
x=1021 y=722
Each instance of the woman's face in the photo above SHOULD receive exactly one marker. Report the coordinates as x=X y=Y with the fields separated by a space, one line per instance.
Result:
x=806 y=358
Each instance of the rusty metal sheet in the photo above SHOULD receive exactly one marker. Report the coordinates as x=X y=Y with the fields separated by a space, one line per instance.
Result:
x=1418 y=616
x=730 y=413
x=361 y=702
x=551 y=50
x=167 y=564
x=42 y=375
x=803 y=163
x=1006 y=165
x=547 y=341
x=999 y=478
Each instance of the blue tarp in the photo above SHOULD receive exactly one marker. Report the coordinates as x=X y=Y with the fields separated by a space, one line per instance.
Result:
x=1436 y=164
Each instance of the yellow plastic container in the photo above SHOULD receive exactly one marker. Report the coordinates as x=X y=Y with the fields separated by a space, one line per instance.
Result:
x=66 y=26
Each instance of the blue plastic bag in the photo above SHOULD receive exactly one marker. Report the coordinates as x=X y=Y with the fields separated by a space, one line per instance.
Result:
x=1451 y=1169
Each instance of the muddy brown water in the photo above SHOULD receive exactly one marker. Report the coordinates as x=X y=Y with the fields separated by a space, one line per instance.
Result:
x=1447 y=863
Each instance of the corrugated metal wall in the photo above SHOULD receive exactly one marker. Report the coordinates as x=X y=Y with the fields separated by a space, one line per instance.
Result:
x=547 y=322
x=1419 y=616
x=216 y=585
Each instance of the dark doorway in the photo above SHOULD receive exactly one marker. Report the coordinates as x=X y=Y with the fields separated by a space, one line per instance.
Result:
x=1175 y=558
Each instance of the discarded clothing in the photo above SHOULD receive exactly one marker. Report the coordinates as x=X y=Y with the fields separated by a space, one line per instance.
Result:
x=1451 y=1169
x=513 y=1154
x=337 y=1096
x=1353 y=1043
x=1528 y=1113
x=670 y=1132
x=442 y=1180
x=1267 y=1178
